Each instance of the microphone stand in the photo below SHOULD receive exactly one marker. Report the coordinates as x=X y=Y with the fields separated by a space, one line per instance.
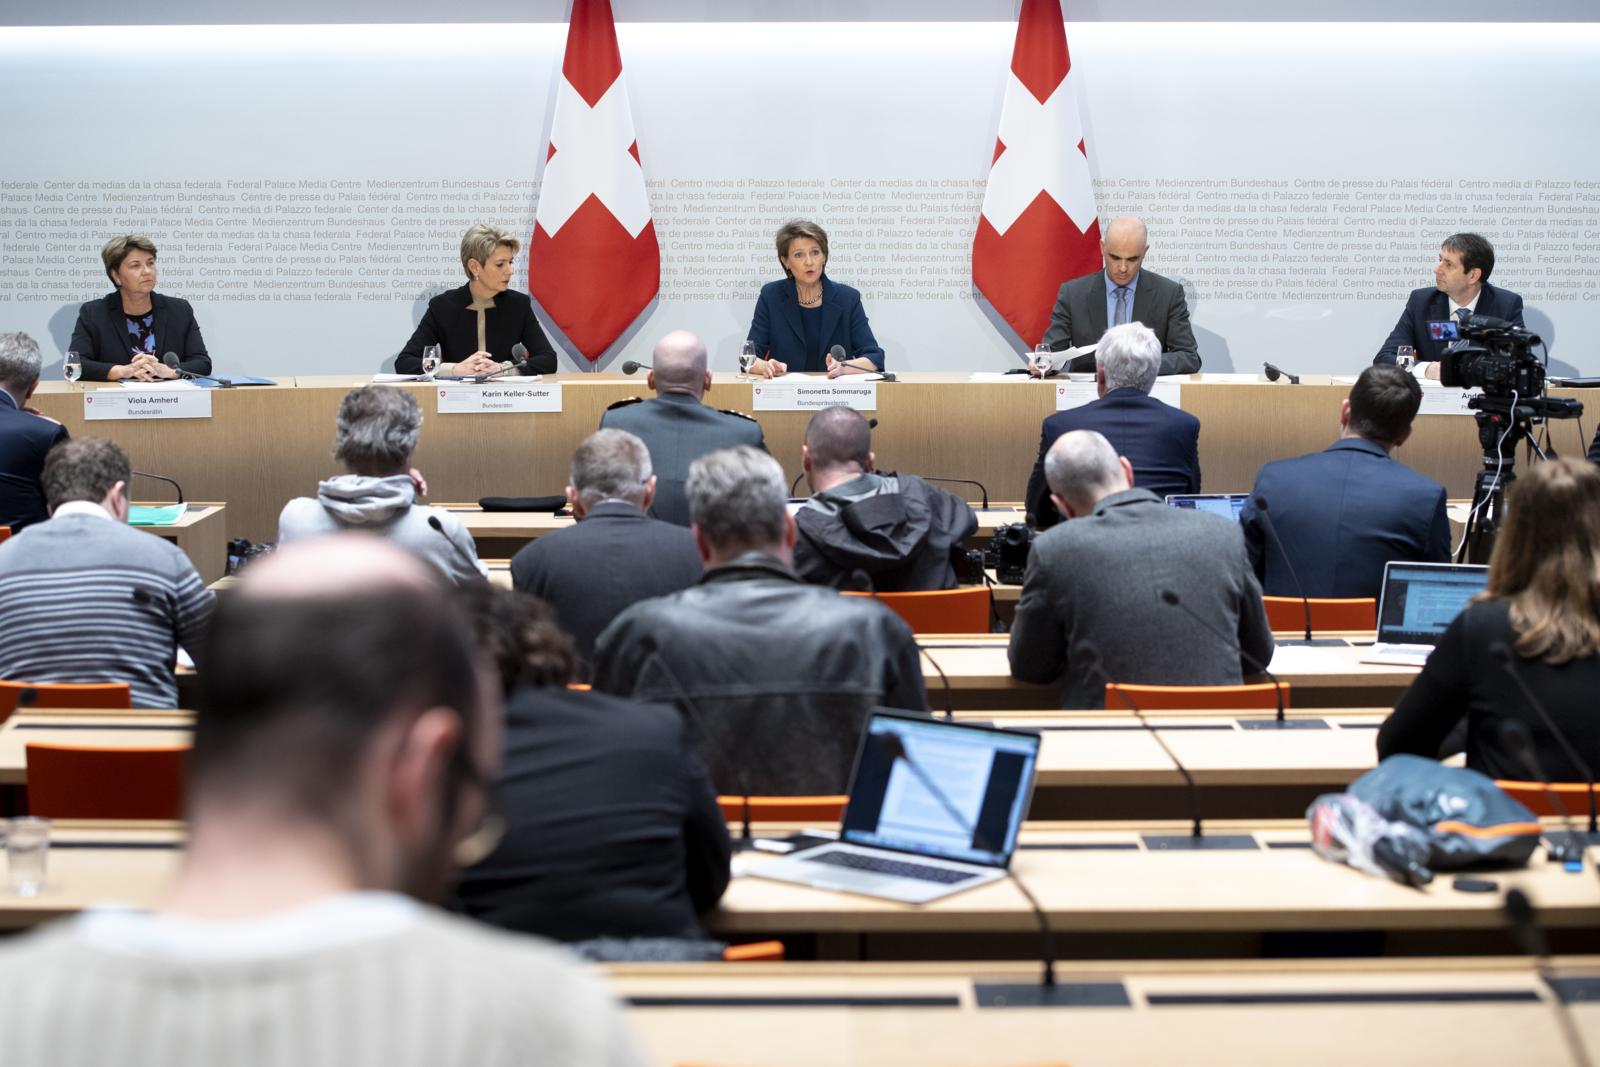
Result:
x=1525 y=930
x=1272 y=531
x=1507 y=660
x=160 y=478
x=1514 y=737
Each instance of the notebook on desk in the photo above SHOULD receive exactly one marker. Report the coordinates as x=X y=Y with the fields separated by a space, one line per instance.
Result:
x=934 y=808
x=1417 y=602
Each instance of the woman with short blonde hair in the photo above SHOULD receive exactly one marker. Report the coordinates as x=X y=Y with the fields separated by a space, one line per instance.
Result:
x=1534 y=630
x=127 y=333
x=478 y=326
x=804 y=316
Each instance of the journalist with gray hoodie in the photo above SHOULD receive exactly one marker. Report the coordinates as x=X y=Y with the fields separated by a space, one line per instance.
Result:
x=375 y=435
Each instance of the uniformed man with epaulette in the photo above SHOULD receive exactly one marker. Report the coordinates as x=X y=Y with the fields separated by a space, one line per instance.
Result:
x=675 y=425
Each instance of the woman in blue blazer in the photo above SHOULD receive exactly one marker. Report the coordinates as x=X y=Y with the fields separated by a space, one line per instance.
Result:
x=799 y=318
x=126 y=333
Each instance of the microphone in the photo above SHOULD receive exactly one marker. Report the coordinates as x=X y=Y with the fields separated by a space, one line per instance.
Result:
x=838 y=353
x=1273 y=374
x=1300 y=590
x=1507 y=661
x=632 y=366
x=1529 y=936
x=519 y=356
x=893 y=746
x=161 y=478
x=473 y=567
x=1514 y=736
x=1172 y=598
x=171 y=360
x=962 y=481
x=863 y=581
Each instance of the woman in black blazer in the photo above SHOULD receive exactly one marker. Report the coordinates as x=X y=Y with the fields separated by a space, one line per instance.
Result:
x=801 y=317
x=1539 y=619
x=125 y=334
x=477 y=325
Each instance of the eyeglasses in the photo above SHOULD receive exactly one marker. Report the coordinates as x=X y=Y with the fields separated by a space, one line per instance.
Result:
x=484 y=838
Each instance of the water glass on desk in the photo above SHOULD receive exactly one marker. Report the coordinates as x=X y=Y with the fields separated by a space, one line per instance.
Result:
x=27 y=848
x=430 y=360
x=1405 y=357
x=747 y=358
x=1039 y=360
x=72 y=368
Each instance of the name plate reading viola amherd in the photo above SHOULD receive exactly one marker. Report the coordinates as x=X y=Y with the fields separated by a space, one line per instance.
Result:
x=174 y=402
x=495 y=399
x=1076 y=394
x=813 y=394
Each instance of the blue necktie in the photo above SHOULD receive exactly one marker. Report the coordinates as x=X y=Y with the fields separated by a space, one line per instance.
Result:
x=1120 y=313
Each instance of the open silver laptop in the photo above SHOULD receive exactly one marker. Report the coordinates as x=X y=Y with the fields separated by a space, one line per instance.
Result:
x=1417 y=602
x=934 y=809
x=1228 y=505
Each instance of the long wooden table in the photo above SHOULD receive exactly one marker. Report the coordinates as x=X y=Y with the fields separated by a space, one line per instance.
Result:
x=1460 y=1012
x=264 y=446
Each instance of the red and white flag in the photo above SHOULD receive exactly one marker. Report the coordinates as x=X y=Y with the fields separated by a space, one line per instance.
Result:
x=593 y=263
x=1038 y=227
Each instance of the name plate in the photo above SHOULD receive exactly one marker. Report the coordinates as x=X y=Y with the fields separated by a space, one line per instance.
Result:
x=1076 y=394
x=179 y=402
x=1445 y=400
x=497 y=399
x=811 y=394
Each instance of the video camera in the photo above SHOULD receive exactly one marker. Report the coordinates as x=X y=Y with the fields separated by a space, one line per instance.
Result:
x=1008 y=552
x=1497 y=357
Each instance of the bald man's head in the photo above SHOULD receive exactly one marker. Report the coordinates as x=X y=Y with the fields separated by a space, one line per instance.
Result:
x=679 y=365
x=336 y=566
x=1123 y=247
x=1082 y=469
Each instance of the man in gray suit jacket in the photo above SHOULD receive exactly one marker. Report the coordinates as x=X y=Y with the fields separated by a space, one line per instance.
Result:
x=1092 y=607
x=1086 y=306
x=675 y=426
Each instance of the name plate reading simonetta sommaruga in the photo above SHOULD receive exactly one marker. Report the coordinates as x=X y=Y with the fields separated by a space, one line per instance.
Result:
x=812 y=394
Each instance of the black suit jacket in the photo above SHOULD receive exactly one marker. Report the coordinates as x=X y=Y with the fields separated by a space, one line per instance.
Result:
x=1162 y=442
x=592 y=571
x=612 y=828
x=24 y=440
x=101 y=335
x=449 y=324
x=1342 y=514
x=1430 y=305
x=1079 y=318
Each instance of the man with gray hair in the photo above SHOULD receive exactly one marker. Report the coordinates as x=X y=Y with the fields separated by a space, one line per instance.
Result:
x=374 y=437
x=675 y=425
x=1161 y=441
x=25 y=435
x=615 y=555
x=1097 y=600
x=775 y=677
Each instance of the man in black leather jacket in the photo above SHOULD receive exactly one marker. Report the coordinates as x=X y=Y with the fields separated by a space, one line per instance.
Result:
x=775 y=677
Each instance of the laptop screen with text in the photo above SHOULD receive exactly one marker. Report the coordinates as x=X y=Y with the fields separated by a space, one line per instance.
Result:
x=1421 y=599
x=1227 y=505
x=958 y=792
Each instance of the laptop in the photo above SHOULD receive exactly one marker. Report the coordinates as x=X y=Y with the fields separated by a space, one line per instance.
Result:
x=940 y=819
x=1417 y=602
x=1228 y=505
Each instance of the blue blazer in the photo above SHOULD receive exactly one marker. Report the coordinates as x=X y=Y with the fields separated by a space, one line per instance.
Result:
x=1430 y=305
x=101 y=336
x=24 y=441
x=778 y=331
x=1161 y=441
x=1342 y=514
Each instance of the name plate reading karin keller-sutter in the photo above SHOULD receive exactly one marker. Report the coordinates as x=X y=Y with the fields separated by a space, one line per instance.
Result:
x=497 y=399
x=813 y=394
x=178 y=402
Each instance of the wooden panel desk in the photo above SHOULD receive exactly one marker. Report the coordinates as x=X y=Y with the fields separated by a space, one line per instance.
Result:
x=980 y=676
x=201 y=532
x=264 y=446
x=95 y=863
x=1465 y=1012
x=1108 y=894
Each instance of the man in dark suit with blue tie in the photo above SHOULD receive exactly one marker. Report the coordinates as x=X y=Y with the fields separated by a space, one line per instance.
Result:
x=1460 y=289
x=25 y=436
x=1342 y=513
x=1162 y=442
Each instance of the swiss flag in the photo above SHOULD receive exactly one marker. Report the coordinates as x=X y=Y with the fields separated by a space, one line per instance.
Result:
x=593 y=262
x=1039 y=227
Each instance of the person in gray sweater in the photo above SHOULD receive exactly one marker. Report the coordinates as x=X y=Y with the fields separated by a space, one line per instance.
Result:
x=85 y=598
x=1097 y=596
x=375 y=435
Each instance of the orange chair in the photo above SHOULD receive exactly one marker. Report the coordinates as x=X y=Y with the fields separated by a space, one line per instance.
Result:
x=940 y=611
x=105 y=782
x=65 y=695
x=579 y=687
x=5 y=533
x=1535 y=796
x=766 y=951
x=1287 y=614
x=1193 y=697
x=784 y=809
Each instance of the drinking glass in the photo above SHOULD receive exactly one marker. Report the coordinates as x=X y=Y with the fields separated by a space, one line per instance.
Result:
x=747 y=358
x=27 y=846
x=73 y=367
x=430 y=360
x=1039 y=359
x=1405 y=357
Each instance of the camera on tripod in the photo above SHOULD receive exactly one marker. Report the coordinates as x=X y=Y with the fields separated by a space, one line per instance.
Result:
x=1497 y=357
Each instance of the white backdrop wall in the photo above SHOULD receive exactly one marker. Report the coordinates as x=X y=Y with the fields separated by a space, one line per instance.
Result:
x=308 y=185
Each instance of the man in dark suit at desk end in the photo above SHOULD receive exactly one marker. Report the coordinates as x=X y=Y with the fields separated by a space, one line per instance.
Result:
x=1460 y=289
x=1161 y=441
x=1344 y=512
x=25 y=436
x=1122 y=293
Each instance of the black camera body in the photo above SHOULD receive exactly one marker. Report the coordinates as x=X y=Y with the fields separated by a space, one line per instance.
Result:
x=1008 y=552
x=1497 y=358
